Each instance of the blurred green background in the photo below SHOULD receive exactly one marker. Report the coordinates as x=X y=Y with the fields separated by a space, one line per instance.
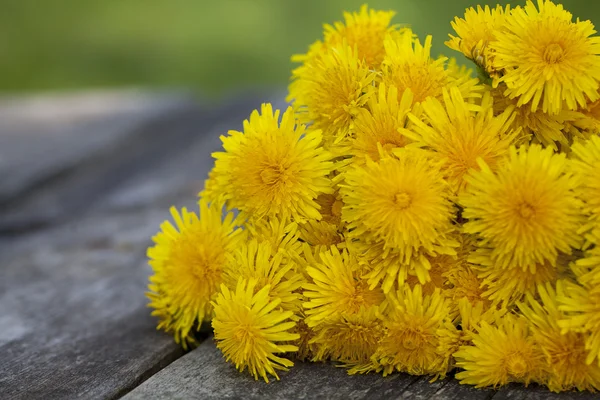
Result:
x=213 y=47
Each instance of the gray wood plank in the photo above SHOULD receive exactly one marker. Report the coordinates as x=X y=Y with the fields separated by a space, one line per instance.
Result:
x=73 y=316
x=44 y=135
x=204 y=374
x=158 y=152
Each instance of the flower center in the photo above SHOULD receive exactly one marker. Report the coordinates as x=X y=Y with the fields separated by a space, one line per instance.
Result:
x=402 y=200
x=553 y=53
x=336 y=208
x=517 y=367
x=411 y=341
x=526 y=211
x=271 y=175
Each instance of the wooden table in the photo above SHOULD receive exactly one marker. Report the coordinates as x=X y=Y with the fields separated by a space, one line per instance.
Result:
x=85 y=180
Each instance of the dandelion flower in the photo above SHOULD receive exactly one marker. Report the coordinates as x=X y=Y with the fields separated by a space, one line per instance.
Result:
x=329 y=89
x=272 y=168
x=349 y=338
x=459 y=133
x=408 y=65
x=188 y=261
x=410 y=341
x=402 y=201
x=338 y=288
x=366 y=30
x=460 y=331
x=585 y=166
x=548 y=129
x=321 y=234
x=248 y=329
x=500 y=354
x=565 y=355
x=526 y=212
x=581 y=308
x=547 y=59
x=280 y=233
x=475 y=31
x=379 y=125
x=505 y=286
x=258 y=261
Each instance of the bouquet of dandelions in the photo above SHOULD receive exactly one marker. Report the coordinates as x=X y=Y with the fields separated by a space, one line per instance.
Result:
x=405 y=216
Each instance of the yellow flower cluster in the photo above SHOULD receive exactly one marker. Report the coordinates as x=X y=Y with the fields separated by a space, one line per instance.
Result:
x=403 y=216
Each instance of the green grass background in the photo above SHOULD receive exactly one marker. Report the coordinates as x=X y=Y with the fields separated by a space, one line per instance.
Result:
x=213 y=47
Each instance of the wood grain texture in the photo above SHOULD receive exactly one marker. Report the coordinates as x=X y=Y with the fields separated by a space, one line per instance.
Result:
x=204 y=374
x=73 y=315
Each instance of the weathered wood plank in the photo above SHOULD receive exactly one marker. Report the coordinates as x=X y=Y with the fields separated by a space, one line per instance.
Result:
x=42 y=136
x=204 y=374
x=73 y=316
x=126 y=166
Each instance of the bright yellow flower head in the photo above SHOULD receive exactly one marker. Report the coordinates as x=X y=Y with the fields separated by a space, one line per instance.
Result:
x=459 y=133
x=349 y=338
x=249 y=329
x=366 y=30
x=378 y=127
x=272 y=168
x=410 y=342
x=505 y=286
x=329 y=89
x=338 y=288
x=475 y=31
x=565 y=355
x=408 y=65
x=188 y=261
x=402 y=201
x=581 y=307
x=526 y=212
x=546 y=59
x=280 y=233
x=551 y=130
x=259 y=261
x=500 y=354
x=586 y=169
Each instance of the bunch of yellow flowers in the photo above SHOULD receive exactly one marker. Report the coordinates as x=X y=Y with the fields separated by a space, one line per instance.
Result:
x=405 y=216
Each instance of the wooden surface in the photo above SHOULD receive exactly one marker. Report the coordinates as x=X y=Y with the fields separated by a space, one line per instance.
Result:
x=85 y=180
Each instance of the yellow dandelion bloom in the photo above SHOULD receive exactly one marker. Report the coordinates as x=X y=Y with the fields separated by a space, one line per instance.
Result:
x=581 y=308
x=537 y=126
x=475 y=31
x=248 y=329
x=329 y=89
x=565 y=355
x=364 y=30
x=321 y=234
x=188 y=261
x=280 y=233
x=461 y=330
x=410 y=341
x=507 y=285
x=272 y=168
x=459 y=133
x=500 y=354
x=337 y=288
x=408 y=65
x=260 y=262
x=526 y=212
x=547 y=59
x=402 y=201
x=389 y=265
x=349 y=338
x=586 y=166
x=378 y=127
x=587 y=268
